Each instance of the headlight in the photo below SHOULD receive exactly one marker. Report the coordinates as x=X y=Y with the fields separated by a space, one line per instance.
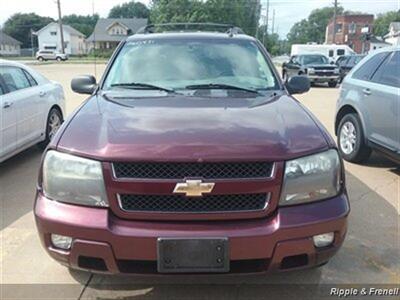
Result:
x=72 y=179
x=311 y=178
x=336 y=71
x=311 y=71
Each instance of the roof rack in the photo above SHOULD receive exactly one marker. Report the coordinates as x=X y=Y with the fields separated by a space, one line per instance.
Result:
x=190 y=27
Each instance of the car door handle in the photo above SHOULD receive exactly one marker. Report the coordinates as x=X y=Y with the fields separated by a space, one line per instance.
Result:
x=42 y=94
x=7 y=105
x=367 y=92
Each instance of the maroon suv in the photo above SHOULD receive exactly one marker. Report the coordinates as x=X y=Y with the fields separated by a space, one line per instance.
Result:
x=191 y=156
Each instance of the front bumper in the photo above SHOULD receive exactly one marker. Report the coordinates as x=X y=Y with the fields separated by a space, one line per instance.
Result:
x=107 y=244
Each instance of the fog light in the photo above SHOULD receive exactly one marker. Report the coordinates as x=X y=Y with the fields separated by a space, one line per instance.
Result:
x=323 y=240
x=62 y=242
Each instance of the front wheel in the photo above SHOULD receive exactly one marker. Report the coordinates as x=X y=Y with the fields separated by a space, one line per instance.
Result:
x=59 y=59
x=351 y=140
x=332 y=84
x=54 y=121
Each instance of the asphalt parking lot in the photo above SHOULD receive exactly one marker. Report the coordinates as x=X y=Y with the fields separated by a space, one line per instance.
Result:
x=370 y=254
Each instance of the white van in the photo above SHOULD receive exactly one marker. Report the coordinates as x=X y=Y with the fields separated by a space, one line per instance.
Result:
x=331 y=51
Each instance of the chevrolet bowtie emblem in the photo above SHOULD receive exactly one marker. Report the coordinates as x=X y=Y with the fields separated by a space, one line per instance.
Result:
x=193 y=188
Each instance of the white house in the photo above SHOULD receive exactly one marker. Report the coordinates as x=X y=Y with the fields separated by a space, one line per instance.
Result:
x=49 y=39
x=393 y=37
x=9 y=46
x=377 y=43
x=108 y=33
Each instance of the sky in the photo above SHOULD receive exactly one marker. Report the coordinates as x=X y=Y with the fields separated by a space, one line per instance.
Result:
x=287 y=12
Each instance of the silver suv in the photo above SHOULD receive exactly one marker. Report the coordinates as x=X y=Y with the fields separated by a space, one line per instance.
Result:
x=43 y=55
x=368 y=109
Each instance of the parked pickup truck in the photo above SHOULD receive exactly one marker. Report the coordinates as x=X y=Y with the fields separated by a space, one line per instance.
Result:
x=191 y=156
x=315 y=66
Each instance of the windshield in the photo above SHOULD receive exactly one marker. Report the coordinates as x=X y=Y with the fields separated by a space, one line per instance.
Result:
x=314 y=60
x=179 y=64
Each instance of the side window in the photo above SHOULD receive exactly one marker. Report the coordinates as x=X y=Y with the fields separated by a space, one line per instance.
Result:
x=369 y=67
x=31 y=80
x=344 y=61
x=340 y=52
x=350 y=62
x=14 y=78
x=389 y=72
x=331 y=53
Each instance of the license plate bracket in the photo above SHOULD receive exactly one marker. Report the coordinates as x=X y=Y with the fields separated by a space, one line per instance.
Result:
x=193 y=255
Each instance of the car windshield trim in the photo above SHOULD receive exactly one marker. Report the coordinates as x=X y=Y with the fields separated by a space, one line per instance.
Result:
x=141 y=86
x=220 y=86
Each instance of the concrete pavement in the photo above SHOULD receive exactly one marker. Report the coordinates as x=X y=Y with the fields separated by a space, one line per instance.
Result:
x=370 y=253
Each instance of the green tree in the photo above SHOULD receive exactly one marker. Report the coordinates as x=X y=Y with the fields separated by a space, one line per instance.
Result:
x=19 y=26
x=84 y=24
x=242 y=13
x=382 y=22
x=313 y=28
x=130 y=9
x=175 y=11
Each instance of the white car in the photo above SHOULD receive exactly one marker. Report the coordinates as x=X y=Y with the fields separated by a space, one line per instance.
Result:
x=43 y=55
x=31 y=108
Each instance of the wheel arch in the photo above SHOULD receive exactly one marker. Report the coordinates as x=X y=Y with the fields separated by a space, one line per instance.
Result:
x=345 y=110
x=56 y=106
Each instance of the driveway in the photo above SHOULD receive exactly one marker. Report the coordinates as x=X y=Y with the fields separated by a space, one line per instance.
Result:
x=370 y=254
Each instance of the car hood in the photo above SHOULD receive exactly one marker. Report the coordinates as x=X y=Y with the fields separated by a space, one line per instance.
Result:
x=179 y=128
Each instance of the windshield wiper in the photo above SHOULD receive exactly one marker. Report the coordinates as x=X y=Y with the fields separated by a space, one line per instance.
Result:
x=220 y=86
x=138 y=86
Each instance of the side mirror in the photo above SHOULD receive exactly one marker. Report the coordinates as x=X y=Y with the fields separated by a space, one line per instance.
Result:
x=332 y=62
x=298 y=85
x=84 y=84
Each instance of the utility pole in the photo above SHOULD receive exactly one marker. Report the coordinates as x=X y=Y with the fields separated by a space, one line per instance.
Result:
x=61 y=27
x=334 y=21
x=33 y=51
x=267 y=19
x=273 y=21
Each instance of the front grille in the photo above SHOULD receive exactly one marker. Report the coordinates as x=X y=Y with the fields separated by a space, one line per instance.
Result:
x=324 y=68
x=205 y=204
x=324 y=73
x=221 y=170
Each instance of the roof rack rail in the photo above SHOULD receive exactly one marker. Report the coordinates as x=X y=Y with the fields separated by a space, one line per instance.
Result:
x=190 y=27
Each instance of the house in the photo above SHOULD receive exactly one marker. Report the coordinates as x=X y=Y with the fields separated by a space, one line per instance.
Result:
x=108 y=33
x=350 y=30
x=393 y=37
x=49 y=39
x=377 y=43
x=9 y=46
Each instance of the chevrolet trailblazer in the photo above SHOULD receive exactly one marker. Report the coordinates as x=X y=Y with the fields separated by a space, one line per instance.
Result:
x=191 y=156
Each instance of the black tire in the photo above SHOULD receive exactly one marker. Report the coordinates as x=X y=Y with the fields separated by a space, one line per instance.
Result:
x=49 y=128
x=59 y=59
x=40 y=58
x=332 y=84
x=360 y=151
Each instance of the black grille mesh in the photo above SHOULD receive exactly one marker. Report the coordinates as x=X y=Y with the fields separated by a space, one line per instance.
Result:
x=180 y=203
x=186 y=170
